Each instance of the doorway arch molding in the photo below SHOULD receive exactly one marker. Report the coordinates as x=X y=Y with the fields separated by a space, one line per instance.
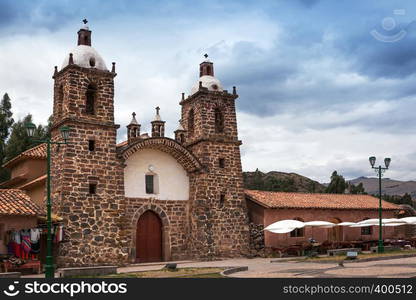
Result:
x=166 y=250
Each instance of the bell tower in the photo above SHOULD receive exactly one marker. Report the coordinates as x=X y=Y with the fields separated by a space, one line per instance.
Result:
x=219 y=224
x=87 y=185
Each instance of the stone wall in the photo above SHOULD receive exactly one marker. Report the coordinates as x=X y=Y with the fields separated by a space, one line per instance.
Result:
x=95 y=222
x=219 y=224
x=256 y=239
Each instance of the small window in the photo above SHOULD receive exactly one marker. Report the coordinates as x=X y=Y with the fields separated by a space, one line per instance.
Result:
x=91 y=145
x=90 y=99
x=222 y=199
x=149 y=184
x=367 y=230
x=92 y=188
x=191 y=122
x=221 y=163
x=298 y=232
x=219 y=120
x=92 y=62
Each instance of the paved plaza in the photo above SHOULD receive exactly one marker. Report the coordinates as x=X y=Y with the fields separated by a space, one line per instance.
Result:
x=264 y=268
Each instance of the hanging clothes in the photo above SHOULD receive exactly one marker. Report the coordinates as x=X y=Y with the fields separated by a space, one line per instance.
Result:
x=35 y=240
x=34 y=235
x=16 y=243
x=26 y=244
x=58 y=233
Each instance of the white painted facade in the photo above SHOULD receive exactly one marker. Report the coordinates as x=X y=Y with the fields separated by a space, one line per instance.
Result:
x=171 y=181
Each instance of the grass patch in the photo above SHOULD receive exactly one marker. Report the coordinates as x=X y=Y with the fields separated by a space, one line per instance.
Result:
x=165 y=273
x=359 y=257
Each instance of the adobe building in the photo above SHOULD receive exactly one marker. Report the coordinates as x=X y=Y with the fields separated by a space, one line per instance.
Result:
x=265 y=208
x=17 y=211
x=151 y=197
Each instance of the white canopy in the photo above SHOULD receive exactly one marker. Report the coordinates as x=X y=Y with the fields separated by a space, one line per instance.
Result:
x=394 y=224
x=346 y=224
x=321 y=224
x=409 y=220
x=284 y=224
x=281 y=230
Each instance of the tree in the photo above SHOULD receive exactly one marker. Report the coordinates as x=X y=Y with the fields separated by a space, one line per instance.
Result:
x=6 y=122
x=337 y=184
x=19 y=141
x=356 y=189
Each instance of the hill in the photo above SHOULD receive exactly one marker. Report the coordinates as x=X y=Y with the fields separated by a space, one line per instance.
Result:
x=281 y=182
x=389 y=186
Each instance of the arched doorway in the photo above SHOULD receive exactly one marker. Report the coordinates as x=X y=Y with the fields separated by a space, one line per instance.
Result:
x=335 y=234
x=149 y=238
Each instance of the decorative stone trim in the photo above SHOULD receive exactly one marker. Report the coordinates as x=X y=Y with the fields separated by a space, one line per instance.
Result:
x=189 y=162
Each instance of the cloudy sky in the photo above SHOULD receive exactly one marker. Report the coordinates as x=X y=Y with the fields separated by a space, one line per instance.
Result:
x=323 y=84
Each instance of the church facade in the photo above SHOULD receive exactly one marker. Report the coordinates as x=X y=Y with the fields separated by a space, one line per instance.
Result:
x=150 y=198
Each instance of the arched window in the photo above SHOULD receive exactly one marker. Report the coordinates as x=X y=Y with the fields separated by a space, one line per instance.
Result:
x=219 y=121
x=91 y=95
x=60 y=100
x=298 y=232
x=208 y=70
x=191 y=121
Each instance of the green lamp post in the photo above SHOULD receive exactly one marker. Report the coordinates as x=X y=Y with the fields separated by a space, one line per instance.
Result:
x=380 y=170
x=30 y=128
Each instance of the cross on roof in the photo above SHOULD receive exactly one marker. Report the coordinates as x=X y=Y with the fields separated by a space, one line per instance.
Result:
x=133 y=114
x=157 y=110
x=206 y=56
x=85 y=21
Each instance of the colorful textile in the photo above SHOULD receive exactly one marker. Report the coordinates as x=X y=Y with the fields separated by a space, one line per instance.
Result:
x=26 y=245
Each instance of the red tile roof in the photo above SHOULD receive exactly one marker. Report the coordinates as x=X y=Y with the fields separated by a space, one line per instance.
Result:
x=37 y=152
x=322 y=201
x=15 y=202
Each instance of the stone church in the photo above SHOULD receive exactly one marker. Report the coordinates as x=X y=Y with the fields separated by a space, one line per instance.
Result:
x=153 y=198
x=150 y=198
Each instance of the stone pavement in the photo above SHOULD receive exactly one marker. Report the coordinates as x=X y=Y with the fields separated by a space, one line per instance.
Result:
x=287 y=268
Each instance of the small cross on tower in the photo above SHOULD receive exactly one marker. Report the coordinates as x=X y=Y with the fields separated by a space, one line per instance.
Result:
x=85 y=21
x=206 y=56
x=134 y=115
x=157 y=110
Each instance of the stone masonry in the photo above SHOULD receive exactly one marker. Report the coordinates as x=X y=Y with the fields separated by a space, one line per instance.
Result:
x=218 y=225
x=93 y=220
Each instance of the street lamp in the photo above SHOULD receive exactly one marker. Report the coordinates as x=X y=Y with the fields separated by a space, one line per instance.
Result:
x=380 y=170
x=30 y=129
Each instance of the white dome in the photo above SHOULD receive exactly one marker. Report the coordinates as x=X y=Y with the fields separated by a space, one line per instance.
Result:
x=86 y=57
x=210 y=82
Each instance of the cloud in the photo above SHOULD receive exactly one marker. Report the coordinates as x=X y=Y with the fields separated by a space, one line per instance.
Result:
x=317 y=92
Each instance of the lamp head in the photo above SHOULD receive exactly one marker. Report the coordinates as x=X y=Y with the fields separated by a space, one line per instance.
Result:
x=65 y=132
x=387 y=161
x=30 y=129
x=372 y=160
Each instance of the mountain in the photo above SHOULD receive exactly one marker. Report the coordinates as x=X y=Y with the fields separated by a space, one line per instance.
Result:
x=388 y=186
x=281 y=182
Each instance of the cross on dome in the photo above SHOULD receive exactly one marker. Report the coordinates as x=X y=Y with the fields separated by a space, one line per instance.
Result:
x=85 y=21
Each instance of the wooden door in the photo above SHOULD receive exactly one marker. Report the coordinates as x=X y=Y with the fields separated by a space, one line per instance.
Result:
x=149 y=238
x=335 y=234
